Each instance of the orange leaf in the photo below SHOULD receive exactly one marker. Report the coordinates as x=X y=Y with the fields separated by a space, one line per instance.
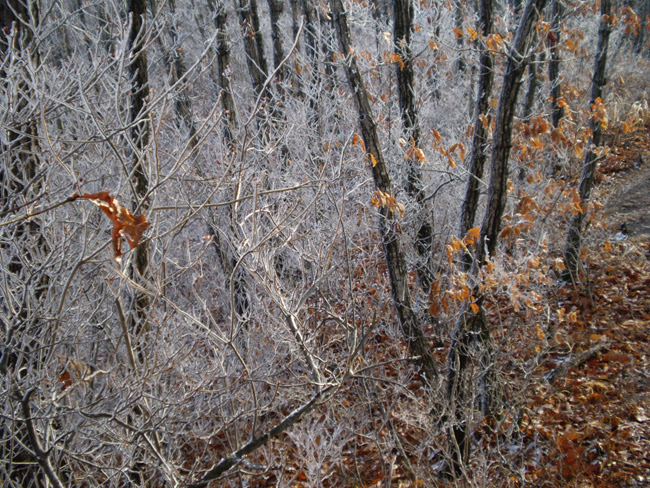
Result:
x=124 y=223
x=472 y=236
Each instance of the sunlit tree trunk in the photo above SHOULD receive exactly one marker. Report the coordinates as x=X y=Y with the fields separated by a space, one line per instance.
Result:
x=395 y=260
x=574 y=236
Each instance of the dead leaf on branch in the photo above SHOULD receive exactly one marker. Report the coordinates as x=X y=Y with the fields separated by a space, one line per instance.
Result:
x=124 y=223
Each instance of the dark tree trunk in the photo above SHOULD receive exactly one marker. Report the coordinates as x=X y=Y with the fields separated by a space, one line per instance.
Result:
x=220 y=15
x=253 y=43
x=139 y=73
x=408 y=108
x=236 y=275
x=557 y=111
x=515 y=67
x=276 y=8
x=478 y=153
x=396 y=263
x=472 y=328
x=529 y=103
x=574 y=236
x=460 y=38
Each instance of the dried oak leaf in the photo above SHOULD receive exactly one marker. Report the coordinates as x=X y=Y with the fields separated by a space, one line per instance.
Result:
x=124 y=223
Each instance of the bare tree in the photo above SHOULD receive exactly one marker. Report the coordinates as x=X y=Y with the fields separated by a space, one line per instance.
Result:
x=388 y=214
x=471 y=330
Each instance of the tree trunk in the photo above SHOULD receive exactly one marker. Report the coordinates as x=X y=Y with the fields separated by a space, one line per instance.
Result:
x=395 y=261
x=236 y=275
x=139 y=72
x=478 y=154
x=472 y=328
x=460 y=38
x=529 y=103
x=574 y=236
x=410 y=124
x=253 y=43
x=220 y=15
x=138 y=319
x=557 y=111
x=515 y=67
x=276 y=7
x=174 y=59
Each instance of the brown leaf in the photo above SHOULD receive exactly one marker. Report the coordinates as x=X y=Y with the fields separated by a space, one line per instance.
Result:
x=124 y=223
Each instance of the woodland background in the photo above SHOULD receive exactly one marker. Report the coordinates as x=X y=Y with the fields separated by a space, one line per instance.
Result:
x=366 y=243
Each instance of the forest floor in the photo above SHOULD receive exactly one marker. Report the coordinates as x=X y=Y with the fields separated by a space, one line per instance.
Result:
x=594 y=414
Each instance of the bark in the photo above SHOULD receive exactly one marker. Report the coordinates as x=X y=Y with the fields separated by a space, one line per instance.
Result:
x=237 y=277
x=388 y=225
x=138 y=319
x=472 y=328
x=410 y=124
x=175 y=60
x=574 y=235
x=478 y=153
x=557 y=112
x=460 y=39
x=253 y=43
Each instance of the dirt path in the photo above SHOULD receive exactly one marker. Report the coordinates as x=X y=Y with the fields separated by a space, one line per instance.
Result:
x=630 y=200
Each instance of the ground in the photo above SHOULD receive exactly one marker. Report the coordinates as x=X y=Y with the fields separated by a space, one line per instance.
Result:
x=595 y=416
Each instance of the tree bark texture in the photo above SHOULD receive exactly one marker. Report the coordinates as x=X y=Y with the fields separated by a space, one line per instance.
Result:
x=220 y=15
x=276 y=7
x=395 y=260
x=574 y=235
